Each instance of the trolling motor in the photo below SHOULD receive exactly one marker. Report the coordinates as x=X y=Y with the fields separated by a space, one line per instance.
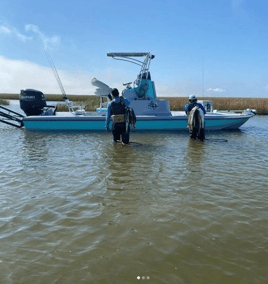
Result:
x=33 y=102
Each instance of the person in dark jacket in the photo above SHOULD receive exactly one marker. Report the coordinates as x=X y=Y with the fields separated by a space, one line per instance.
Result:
x=117 y=109
x=192 y=103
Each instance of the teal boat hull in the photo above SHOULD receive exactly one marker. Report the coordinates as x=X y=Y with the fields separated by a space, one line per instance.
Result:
x=177 y=121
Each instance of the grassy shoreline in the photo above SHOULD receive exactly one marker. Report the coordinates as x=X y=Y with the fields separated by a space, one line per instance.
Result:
x=4 y=102
x=260 y=104
x=176 y=103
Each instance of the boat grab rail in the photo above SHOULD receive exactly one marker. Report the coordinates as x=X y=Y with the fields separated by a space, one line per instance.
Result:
x=10 y=117
x=127 y=54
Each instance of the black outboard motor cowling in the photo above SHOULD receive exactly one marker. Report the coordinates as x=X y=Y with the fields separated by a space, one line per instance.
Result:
x=32 y=102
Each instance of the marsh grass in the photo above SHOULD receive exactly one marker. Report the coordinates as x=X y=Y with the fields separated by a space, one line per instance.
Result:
x=62 y=107
x=75 y=98
x=90 y=104
x=4 y=102
x=9 y=96
x=178 y=103
x=260 y=104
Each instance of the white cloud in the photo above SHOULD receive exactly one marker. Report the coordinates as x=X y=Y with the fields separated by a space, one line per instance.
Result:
x=218 y=90
x=23 y=37
x=5 y=30
x=47 y=41
x=17 y=75
x=14 y=31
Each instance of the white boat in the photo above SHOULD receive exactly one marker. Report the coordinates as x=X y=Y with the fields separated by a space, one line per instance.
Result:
x=151 y=113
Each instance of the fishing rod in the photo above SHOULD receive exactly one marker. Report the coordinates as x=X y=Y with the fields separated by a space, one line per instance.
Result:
x=54 y=70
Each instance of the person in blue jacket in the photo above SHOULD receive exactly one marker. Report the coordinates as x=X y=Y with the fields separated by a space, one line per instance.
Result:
x=118 y=108
x=195 y=129
x=192 y=103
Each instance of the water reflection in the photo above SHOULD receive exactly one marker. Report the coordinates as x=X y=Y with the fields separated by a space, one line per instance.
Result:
x=35 y=148
x=195 y=155
x=123 y=159
x=177 y=210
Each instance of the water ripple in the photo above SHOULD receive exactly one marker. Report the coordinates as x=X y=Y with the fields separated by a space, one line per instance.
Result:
x=77 y=208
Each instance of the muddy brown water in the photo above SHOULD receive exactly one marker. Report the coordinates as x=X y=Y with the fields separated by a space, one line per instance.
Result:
x=76 y=208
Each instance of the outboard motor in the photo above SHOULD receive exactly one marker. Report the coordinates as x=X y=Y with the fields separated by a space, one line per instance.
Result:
x=32 y=102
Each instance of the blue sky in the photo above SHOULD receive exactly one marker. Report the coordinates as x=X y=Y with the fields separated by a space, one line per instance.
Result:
x=227 y=37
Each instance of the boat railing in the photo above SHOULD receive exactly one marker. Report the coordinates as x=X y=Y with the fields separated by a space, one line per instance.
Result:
x=74 y=108
x=239 y=111
x=11 y=117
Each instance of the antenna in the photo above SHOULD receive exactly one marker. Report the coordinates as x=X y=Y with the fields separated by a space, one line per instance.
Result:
x=203 y=76
x=54 y=70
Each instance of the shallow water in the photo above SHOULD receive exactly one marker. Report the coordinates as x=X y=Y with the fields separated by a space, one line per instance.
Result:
x=77 y=208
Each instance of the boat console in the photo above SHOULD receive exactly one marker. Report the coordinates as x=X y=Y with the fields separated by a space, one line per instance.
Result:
x=141 y=93
x=208 y=105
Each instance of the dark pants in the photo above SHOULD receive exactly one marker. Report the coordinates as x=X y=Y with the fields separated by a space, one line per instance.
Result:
x=197 y=132
x=119 y=129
